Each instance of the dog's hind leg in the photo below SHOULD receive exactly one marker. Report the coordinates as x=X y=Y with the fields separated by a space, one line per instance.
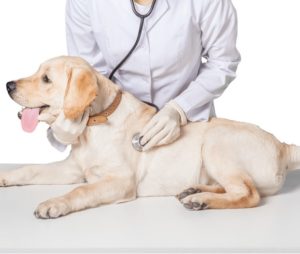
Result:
x=240 y=192
x=63 y=172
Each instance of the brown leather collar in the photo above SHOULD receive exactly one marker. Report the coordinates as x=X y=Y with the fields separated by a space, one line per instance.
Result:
x=102 y=116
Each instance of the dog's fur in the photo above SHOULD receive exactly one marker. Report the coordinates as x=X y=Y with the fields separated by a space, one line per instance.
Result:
x=215 y=164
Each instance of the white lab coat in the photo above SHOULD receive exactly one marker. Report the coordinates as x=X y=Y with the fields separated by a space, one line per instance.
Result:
x=167 y=63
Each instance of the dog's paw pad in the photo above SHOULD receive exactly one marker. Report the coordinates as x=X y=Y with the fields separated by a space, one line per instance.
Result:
x=195 y=206
x=188 y=192
x=188 y=205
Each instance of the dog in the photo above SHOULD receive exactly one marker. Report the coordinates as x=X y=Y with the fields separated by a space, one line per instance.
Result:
x=217 y=164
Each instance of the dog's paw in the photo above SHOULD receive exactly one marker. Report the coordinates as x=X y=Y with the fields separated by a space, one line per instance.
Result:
x=194 y=202
x=52 y=209
x=187 y=192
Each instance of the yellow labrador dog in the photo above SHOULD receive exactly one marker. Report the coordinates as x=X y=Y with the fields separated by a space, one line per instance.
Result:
x=214 y=165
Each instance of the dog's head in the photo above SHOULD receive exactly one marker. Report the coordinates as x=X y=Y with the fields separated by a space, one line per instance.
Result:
x=62 y=83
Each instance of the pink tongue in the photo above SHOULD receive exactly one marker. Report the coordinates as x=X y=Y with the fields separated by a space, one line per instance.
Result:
x=30 y=119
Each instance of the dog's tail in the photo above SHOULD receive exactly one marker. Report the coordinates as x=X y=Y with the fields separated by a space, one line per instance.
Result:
x=292 y=155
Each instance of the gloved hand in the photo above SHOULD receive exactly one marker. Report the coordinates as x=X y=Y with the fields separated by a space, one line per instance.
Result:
x=164 y=127
x=67 y=131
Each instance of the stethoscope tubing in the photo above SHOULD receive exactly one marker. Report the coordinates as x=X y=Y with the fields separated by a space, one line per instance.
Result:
x=131 y=50
x=142 y=17
x=136 y=139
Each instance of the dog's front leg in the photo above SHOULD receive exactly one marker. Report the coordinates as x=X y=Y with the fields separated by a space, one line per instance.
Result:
x=111 y=188
x=63 y=172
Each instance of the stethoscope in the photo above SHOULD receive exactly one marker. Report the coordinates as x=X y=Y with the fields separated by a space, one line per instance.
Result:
x=142 y=17
x=136 y=139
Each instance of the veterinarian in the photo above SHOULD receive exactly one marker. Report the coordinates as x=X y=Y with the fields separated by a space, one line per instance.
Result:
x=186 y=58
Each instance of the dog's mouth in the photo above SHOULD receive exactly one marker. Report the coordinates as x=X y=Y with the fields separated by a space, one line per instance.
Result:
x=29 y=117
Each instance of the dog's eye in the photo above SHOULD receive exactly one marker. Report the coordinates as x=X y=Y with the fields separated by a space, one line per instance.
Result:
x=46 y=79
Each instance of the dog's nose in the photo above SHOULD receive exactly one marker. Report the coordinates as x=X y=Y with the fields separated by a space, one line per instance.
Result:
x=11 y=86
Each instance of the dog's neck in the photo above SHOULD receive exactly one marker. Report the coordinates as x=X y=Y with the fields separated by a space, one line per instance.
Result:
x=131 y=106
x=107 y=92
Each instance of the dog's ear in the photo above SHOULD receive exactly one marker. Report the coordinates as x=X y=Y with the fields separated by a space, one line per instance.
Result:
x=80 y=92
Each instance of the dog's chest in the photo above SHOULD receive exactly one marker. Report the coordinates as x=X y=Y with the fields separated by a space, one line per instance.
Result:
x=99 y=147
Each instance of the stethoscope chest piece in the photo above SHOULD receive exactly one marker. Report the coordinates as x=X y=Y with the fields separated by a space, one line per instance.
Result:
x=136 y=142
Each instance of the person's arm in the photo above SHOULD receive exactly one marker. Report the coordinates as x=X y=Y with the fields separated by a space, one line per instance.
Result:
x=80 y=35
x=219 y=34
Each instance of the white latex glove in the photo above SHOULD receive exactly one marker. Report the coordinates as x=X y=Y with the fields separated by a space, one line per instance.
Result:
x=67 y=131
x=164 y=127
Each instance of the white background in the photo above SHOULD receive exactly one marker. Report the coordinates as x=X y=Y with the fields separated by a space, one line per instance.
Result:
x=266 y=92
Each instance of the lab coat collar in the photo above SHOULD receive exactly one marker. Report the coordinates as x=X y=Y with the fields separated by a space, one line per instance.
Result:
x=162 y=6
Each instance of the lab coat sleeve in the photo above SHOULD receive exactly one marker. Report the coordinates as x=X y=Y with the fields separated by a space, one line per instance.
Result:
x=80 y=37
x=218 y=35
